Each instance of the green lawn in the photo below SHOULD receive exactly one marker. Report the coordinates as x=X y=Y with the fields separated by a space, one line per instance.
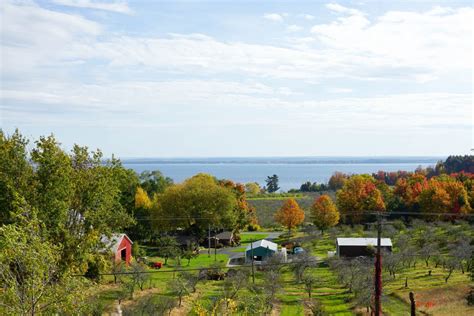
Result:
x=251 y=237
x=432 y=293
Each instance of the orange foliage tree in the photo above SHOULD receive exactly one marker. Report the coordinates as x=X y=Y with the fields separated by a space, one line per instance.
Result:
x=290 y=214
x=444 y=195
x=358 y=195
x=324 y=213
x=410 y=189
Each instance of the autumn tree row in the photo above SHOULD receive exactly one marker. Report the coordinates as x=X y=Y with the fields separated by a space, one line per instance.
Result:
x=360 y=196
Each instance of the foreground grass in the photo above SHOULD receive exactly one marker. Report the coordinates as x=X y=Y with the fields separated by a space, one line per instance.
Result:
x=433 y=295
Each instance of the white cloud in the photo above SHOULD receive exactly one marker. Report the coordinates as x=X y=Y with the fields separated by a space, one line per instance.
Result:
x=427 y=43
x=294 y=28
x=341 y=9
x=113 y=6
x=275 y=17
x=308 y=17
x=33 y=36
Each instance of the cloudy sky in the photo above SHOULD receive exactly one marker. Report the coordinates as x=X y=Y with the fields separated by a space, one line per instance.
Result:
x=240 y=78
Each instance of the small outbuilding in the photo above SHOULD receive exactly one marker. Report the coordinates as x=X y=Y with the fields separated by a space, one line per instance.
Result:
x=260 y=250
x=120 y=245
x=355 y=247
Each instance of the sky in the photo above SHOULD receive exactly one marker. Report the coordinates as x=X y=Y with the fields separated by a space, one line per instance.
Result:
x=240 y=78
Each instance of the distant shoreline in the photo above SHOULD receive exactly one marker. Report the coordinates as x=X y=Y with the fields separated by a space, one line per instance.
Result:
x=286 y=160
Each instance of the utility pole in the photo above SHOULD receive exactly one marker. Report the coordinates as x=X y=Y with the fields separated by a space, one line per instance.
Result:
x=378 y=269
x=412 y=304
x=216 y=240
x=209 y=242
x=253 y=270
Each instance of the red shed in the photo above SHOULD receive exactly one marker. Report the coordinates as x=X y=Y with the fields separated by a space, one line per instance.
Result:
x=120 y=245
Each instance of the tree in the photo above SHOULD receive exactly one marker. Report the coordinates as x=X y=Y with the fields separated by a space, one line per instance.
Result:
x=141 y=199
x=444 y=195
x=324 y=213
x=309 y=281
x=409 y=189
x=195 y=204
x=272 y=183
x=139 y=275
x=167 y=247
x=179 y=287
x=359 y=195
x=32 y=282
x=271 y=286
x=337 y=180
x=301 y=263
x=234 y=284
x=290 y=214
x=190 y=253
x=153 y=182
x=190 y=278
x=252 y=188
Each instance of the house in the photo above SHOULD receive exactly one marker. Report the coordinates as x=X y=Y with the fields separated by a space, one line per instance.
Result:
x=226 y=238
x=260 y=250
x=120 y=245
x=355 y=247
x=186 y=241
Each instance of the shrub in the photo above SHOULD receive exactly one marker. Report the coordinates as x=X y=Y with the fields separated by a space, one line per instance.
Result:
x=137 y=251
x=93 y=272
x=253 y=227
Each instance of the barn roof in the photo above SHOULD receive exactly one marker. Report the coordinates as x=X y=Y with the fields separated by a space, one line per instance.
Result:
x=263 y=243
x=224 y=235
x=384 y=242
x=114 y=241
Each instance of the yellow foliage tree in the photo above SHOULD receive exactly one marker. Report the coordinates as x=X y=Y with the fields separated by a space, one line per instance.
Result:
x=324 y=212
x=290 y=214
x=142 y=200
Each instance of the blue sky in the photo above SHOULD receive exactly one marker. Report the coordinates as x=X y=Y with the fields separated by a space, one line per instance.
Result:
x=240 y=78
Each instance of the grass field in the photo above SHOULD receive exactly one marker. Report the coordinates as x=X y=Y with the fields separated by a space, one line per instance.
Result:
x=248 y=238
x=433 y=295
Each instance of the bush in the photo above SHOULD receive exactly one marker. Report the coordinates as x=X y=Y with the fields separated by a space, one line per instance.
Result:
x=253 y=227
x=137 y=251
x=93 y=271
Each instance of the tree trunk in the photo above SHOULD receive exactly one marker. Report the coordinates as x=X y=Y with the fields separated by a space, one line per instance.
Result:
x=449 y=275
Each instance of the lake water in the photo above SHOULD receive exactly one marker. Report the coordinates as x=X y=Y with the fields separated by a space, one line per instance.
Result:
x=292 y=172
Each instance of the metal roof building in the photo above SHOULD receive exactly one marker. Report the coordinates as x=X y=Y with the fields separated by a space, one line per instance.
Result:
x=354 y=247
x=261 y=250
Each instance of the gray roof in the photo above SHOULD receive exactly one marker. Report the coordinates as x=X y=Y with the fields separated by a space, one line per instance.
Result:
x=114 y=241
x=263 y=243
x=224 y=235
x=384 y=242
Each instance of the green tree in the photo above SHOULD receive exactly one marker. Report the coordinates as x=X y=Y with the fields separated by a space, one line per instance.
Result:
x=16 y=174
x=252 y=188
x=32 y=282
x=154 y=182
x=196 y=203
x=77 y=196
x=272 y=183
